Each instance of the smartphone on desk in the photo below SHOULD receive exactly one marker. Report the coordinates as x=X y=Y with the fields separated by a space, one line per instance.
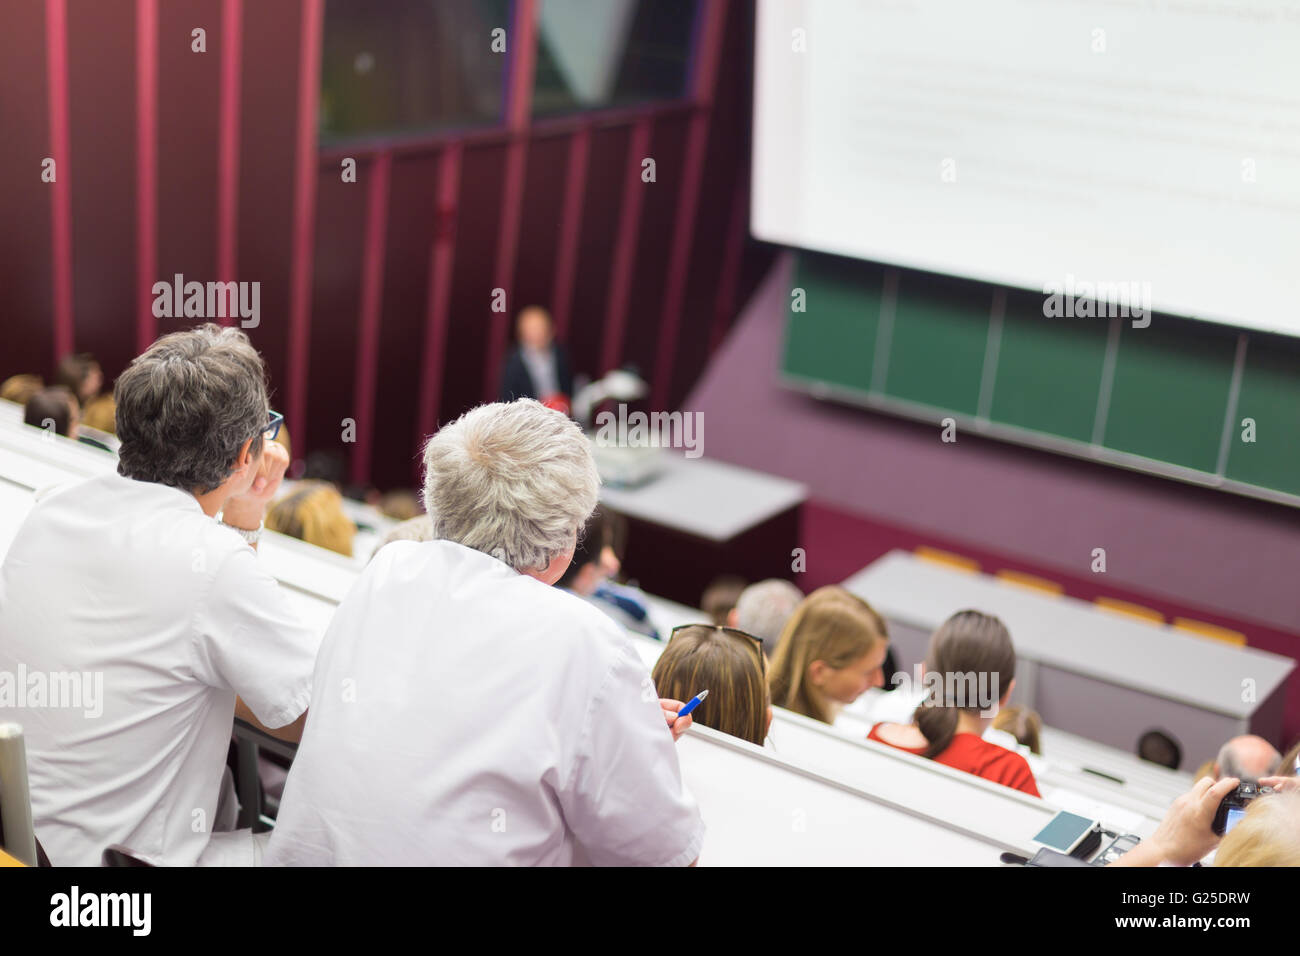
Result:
x=1065 y=832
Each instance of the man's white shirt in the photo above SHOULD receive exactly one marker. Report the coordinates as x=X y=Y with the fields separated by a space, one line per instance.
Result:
x=466 y=714
x=131 y=581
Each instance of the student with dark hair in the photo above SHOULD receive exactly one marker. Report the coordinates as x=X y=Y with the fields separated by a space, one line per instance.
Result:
x=56 y=409
x=720 y=597
x=1158 y=747
x=597 y=559
x=729 y=664
x=146 y=580
x=53 y=408
x=970 y=670
x=81 y=375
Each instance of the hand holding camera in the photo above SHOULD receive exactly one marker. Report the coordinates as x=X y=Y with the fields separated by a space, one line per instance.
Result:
x=1233 y=806
x=1187 y=832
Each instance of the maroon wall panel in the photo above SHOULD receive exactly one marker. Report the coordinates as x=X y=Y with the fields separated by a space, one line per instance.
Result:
x=658 y=212
x=105 y=173
x=726 y=161
x=25 y=259
x=268 y=111
x=336 y=307
x=187 y=137
x=101 y=94
x=595 y=246
x=539 y=231
x=471 y=293
x=411 y=223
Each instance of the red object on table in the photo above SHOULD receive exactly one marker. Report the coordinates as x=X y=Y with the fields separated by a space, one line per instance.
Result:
x=558 y=401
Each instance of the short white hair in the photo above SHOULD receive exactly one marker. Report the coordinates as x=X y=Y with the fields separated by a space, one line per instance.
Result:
x=514 y=480
x=763 y=609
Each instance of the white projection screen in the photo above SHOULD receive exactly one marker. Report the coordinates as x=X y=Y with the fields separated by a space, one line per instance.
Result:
x=1149 y=144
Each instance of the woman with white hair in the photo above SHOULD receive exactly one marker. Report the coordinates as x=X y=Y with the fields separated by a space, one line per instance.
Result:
x=469 y=713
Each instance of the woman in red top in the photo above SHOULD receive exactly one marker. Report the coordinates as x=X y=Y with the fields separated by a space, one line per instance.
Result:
x=970 y=670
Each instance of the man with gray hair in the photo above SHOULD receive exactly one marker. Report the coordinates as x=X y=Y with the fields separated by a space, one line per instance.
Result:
x=144 y=586
x=469 y=713
x=763 y=608
x=1247 y=758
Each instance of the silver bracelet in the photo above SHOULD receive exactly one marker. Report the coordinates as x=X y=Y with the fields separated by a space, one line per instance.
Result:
x=252 y=537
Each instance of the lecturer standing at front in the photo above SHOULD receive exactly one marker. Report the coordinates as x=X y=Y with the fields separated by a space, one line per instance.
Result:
x=538 y=366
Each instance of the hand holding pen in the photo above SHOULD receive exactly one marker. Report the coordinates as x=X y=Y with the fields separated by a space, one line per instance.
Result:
x=678 y=714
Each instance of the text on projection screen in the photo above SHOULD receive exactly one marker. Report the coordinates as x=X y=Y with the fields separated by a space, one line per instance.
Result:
x=1150 y=144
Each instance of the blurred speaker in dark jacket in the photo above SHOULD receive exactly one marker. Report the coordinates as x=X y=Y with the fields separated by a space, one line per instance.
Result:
x=538 y=366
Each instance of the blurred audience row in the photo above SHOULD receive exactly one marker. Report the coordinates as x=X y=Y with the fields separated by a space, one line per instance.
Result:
x=764 y=645
x=72 y=405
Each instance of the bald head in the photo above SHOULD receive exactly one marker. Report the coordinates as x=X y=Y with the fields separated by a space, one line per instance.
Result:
x=1247 y=758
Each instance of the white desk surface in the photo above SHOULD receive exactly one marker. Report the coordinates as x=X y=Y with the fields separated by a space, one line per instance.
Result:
x=762 y=809
x=1064 y=747
x=35 y=448
x=33 y=474
x=706 y=498
x=1075 y=636
x=306 y=567
x=668 y=614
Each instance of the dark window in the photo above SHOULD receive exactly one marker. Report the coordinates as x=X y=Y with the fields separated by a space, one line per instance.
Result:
x=405 y=66
x=596 y=54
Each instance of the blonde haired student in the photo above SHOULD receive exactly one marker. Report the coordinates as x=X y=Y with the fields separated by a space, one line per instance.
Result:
x=831 y=651
x=313 y=512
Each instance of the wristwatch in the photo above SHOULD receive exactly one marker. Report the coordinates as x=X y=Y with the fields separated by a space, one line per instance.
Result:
x=252 y=537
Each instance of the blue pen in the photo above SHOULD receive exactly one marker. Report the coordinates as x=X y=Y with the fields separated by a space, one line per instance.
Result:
x=693 y=703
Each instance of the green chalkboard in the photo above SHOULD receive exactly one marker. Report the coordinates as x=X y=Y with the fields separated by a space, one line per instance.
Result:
x=936 y=354
x=1048 y=370
x=1266 y=450
x=834 y=317
x=1169 y=397
x=1170 y=393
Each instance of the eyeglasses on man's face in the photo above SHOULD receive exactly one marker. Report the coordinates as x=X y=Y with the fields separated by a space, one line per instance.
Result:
x=273 y=426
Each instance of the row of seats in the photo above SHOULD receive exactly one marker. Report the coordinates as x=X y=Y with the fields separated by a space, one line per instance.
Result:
x=1114 y=605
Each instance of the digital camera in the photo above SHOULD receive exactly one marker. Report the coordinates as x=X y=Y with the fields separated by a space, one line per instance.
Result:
x=1234 y=805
